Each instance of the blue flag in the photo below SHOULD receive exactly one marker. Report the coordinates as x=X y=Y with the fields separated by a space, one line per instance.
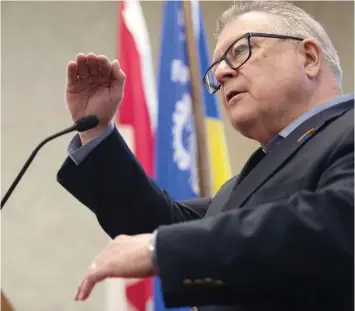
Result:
x=176 y=169
x=175 y=135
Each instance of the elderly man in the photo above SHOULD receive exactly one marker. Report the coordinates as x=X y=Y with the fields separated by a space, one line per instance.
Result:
x=279 y=236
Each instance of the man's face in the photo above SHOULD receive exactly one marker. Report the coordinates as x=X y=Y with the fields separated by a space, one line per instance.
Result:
x=268 y=82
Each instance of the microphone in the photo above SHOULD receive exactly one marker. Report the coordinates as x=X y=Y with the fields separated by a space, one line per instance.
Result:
x=81 y=125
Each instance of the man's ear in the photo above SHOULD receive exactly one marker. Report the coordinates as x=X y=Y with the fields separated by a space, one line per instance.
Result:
x=310 y=50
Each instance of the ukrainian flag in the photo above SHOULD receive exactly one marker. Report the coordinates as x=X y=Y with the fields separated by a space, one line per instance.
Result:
x=217 y=146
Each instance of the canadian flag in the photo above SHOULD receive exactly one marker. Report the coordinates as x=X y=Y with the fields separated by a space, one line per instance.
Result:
x=136 y=121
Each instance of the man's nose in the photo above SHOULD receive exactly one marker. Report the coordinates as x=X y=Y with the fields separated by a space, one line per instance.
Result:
x=224 y=72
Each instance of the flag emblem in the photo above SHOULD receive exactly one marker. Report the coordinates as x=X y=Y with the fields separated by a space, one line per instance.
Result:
x=306 y=135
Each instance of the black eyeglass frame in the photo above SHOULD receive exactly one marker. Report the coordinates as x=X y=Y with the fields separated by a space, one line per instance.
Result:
x=247 y=35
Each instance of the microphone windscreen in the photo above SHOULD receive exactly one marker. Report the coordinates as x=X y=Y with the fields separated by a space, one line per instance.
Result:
x=86 y=123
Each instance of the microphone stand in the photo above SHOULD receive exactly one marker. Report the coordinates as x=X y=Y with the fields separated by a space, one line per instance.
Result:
x=81 y=125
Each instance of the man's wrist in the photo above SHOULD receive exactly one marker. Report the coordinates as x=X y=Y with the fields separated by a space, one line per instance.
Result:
x=78 y=152
x=89 y=135
x=153 y=250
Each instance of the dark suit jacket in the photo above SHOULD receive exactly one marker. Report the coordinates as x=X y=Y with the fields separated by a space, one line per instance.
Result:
x=277 y=237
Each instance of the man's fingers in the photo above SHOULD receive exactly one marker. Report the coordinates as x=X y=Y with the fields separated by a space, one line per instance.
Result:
x=85 y=289
x=92 y=64
x=105 y=66
x=81 y=284
x=83 y=70
x=90 y=280
x=118 y=76
x=76 y=296
x=72 y=75
x=116 y=70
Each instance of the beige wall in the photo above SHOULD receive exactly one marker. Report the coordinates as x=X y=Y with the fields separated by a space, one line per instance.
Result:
x=48 y=238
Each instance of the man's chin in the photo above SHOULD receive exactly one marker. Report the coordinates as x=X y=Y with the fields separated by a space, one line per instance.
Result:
x=244 y=123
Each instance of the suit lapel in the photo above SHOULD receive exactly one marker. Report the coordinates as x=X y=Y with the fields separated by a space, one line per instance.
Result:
x=221 y=197
x=281 y=153
x=225 y=192
x=253 y=161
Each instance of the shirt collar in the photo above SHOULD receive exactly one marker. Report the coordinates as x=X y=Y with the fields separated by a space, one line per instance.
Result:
x=304 y=117
x=310 y=113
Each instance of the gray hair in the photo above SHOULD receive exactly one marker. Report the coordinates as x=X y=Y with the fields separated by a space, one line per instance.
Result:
x=290 y=20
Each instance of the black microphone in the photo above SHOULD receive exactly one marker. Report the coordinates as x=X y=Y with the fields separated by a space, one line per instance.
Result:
x=81 y=125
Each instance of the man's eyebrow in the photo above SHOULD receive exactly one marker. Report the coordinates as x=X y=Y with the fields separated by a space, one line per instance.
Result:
x=219 y=54
x=214 y=59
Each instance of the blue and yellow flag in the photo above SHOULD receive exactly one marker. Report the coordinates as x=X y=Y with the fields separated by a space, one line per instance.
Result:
x=176 y=169
x=217 y=145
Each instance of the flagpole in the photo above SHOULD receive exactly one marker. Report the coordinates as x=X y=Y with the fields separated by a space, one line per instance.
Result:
x=201 y=139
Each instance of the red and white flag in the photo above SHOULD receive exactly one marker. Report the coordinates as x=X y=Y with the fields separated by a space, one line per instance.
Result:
x=136 y=121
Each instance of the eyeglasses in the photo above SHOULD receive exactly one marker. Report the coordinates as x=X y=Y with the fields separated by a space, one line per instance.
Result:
x=235 y=56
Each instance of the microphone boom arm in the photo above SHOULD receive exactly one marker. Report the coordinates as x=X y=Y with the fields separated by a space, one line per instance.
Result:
x=85 y=123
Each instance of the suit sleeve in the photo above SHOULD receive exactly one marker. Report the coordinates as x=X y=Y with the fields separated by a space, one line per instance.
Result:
x=279 y=250
x=113 y=185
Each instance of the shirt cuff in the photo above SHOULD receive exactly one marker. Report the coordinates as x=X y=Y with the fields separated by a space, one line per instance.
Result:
x=77 y=152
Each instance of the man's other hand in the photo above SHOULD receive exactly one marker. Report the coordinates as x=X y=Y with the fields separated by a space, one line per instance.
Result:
x=124 y=257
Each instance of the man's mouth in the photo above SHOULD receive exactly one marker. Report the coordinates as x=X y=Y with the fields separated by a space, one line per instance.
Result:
x=232 y=94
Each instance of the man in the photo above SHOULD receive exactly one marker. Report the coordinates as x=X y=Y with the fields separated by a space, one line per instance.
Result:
x=277 y=237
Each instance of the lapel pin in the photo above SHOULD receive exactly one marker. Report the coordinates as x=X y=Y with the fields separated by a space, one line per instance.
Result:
x=306 y=135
